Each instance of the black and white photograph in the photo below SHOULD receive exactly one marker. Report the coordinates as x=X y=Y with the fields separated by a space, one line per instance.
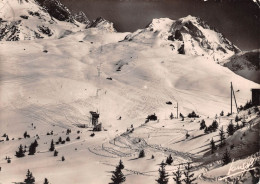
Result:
x=129 y=91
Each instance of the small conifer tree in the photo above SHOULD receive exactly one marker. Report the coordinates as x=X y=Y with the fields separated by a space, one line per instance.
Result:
x=20 y=152
x=222 y=137
x=163 y=175
x=222 y=113
x=68 y=139
x=171 y=116
x=214 y=125
x=52 y=147
x=230 y=129
x=226 y=158
x=141 y=154
x=121 y=165
x=188 y=176
x=169 y=160
x=56 y=153
x=32 y=149
x=177 y=176
x=118 y=177
x=212 y=146
x=202 y=124
x=29 y=178
x=46 y=181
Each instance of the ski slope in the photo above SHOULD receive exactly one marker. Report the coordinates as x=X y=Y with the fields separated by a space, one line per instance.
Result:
x=54 y=84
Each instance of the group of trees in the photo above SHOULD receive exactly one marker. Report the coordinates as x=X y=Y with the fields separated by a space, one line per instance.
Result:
x=20 y=152
x=211 y=128
x=188 y=176
x=30 y=179
x=193 y=115
x=231 y=128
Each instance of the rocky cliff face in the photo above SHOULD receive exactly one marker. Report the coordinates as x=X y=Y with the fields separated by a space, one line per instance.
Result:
x=81 y=17
x=103 y=24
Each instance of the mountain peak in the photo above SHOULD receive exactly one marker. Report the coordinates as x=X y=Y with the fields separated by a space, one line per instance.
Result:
x=81 y=17
x=102 y=24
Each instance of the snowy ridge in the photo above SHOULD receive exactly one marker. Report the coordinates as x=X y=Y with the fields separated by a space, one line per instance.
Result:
x=245 y=64
x=26 y=20
x=189 y=35
x=102 y=24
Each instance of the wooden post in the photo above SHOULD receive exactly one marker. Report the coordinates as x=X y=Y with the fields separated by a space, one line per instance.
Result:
x=235 y=98
x=177 y=111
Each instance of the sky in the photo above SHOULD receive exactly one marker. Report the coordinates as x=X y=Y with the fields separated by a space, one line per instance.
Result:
x=238 y=20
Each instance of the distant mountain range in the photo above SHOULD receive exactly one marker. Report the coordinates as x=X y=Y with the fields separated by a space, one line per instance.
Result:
x=43 y=19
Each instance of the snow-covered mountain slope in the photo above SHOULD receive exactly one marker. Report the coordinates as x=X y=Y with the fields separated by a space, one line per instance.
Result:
x=189 y=35
x=102 y=24
x=55 y=84
x=29 y=19
x=245 y=64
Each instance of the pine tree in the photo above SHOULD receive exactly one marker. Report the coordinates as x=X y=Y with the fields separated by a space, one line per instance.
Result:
x=177 y=176
x=118 y=177
x=121 y=165
x=141 y=154
x=29 y=178
x=62 y=158
x=169 y=160
x=222 y=137
x=230 y=129
x=214 y=125
x=171 y=116
x=20 y=152
x=46 y=181
x=222 y=113
x=163 y=175
x=182 y=117
x=226 y=158
x=7 y=138
x=188 y=176
x=236 y=118
x=213 y=146
x=36 y=143
x=206 y=130
x=68 y=139
x=60 y=139
x=32 y=149
x=56 y=153
x=25 y=134
x=52 y=146
x=202 y=124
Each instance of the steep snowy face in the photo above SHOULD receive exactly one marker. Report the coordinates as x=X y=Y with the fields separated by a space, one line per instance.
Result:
x=199 y=38
x=102 y=24
x=158 y=28
x=245 y=64
x=81 y=17
x=29 y=19
x=189 y=35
